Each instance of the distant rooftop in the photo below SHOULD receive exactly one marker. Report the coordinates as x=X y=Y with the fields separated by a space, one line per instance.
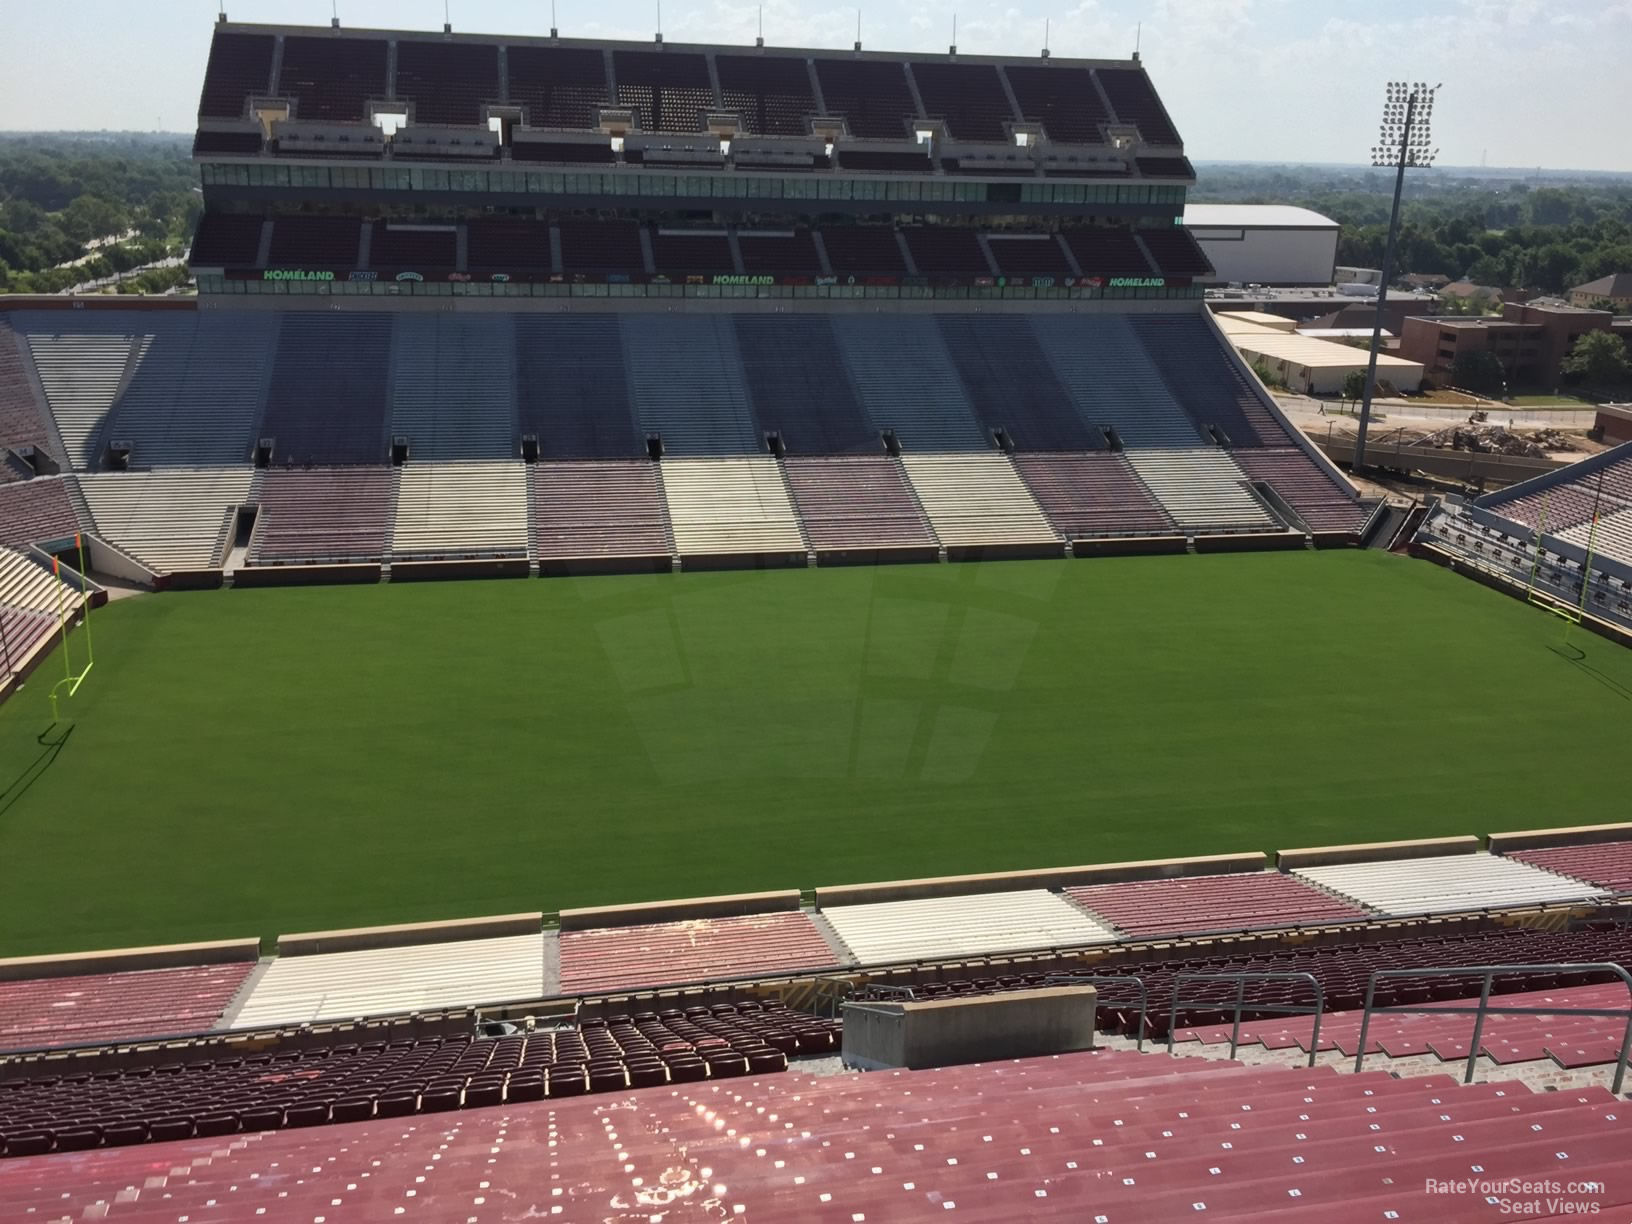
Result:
x=1617 y=285
x=1255 y=216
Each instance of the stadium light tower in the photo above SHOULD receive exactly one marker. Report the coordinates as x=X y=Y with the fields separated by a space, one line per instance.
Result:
x=1405 y=139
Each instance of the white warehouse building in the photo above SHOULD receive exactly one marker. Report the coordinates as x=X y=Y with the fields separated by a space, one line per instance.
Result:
x=1265 y=244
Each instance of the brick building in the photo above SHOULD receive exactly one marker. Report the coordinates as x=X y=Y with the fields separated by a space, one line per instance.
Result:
x=1530 y=341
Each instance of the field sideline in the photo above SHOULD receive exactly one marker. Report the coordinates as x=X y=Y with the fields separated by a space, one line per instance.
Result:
x=250 y=762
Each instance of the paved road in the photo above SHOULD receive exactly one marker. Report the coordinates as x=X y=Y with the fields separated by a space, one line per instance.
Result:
x=1406 y=412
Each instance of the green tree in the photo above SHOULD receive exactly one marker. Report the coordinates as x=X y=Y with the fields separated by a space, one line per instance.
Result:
x=1599 y=357
x=1479 y=371
x=1354 y=385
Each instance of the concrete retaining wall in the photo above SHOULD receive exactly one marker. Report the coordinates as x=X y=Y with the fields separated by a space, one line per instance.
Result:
x=123 y=960
x=431 y=571
x=1321 y=856
x=305 y=575
x=570 y=567
x=1533 y=839
x=1257 y=541
x=946 y=1032
x=1130 y=546
x=358 y=938
x=678 y=911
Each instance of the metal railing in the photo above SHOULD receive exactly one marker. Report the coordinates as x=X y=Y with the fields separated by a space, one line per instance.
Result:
x=1108 y=979
x=1488 y=973
x=1242 y=1003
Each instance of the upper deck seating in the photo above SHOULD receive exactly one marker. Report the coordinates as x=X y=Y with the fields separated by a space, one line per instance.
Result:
x=668 y=91
x=1134 y=101
x=1060 y=97
x=413 y=247
x=696 y=252
x=316 y=242
x=863 y=250
x=226 y=240
x=447 y=82
x=240 y=67
x=332 y=80
x=1029 y=256
x=779 y=254
x=969 y=98
x=1176 y=252
x=944 y=252
x=560 y=87
x=872 y=95
x=508 y=246
x=770 y=94
x=604 y=246
x=1107 y=252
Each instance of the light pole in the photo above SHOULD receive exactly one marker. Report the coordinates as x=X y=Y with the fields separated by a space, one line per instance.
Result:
x=1408 y=112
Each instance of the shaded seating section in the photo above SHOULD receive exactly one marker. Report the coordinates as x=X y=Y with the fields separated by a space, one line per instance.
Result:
x=297 y=1089
x=508 y=247
x=977 y=498
x=1446 y=884
x=668 y=91
x=1112 y=1133
x=770 y=95
x=1011 y=384
x=1092 y=494
x=596 y=153
x=240 y=67
x=197 y=389
x=1344 y=969
x=21 y=422
x=1202 y=489
x=856 y=502
x=679 y=253
x=1204 y=378
x=332 y=79
x=969 y=98
x=561 y=87
x=1107 y=252
x=622 y=958
x=384 y=981
x=80 y=370
x=1176 y=252
x=316 y=515
x=461 y=509
x=730 y=506
x=1166 y=167
x=572 y=391
x=904 y=377
x=603 y=246
x=407 y=246
x=227 y=142
x=863 y=250
x=1029 y=257
x=33 y=510
x=884 y=161
x=172 y=521
x=316 y=242
x=1061 y=98
x=599 y=508
x=40 y=1012
x=1213 y=903
x=1319 y=500
x=687 y=379
x=447 y=82
x=797 y=384
x=1134 y=100
x=872 y=95
x=1570 y=1040
x=1606 y=865
x=885 y=931
x=1101 y=363
x=226 y=240
x=327 y=400
x=779 y=254
x=453 y=390
x=946 y=252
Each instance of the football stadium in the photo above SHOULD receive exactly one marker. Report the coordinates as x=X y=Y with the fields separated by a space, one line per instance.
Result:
x=694 y=632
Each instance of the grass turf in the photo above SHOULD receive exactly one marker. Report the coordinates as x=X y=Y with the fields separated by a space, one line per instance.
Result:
x=250 y=762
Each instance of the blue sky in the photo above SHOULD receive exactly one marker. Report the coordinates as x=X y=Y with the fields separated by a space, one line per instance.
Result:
x=1527 y=82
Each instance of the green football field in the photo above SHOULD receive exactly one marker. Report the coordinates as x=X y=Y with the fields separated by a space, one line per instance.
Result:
x=253 y=762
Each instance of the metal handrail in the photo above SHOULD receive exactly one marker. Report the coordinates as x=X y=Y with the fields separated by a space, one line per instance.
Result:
x=1241 y=980
x=1488 y=973
x=1107 y=979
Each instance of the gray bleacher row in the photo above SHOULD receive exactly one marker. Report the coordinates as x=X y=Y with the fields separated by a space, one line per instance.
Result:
x=201 y=388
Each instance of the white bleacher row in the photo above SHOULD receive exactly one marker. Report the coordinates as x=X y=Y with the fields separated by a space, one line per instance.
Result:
x=963 y=926
x=26 y=584
x=461 y=510
x=730 y=506
x=380 y=981
x=1202 y=488
x=976 y=499
x=172 y=520
x=81 y=376
x=1446 y=884
x=1613 y=537
x=453 y=386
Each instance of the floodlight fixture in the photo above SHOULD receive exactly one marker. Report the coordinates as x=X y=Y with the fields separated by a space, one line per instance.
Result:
x=1404 y=139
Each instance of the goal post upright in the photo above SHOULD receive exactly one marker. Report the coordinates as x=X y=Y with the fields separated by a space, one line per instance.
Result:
x=69 y=680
